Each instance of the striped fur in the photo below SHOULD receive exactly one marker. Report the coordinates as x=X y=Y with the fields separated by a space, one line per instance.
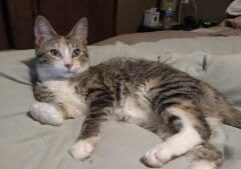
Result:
x=185 y=112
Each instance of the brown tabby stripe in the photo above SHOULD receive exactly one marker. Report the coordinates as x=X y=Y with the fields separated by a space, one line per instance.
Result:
x=101 y=101
x=208 y=152
x=43 y=94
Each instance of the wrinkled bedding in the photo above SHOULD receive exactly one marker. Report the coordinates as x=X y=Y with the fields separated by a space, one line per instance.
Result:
x=26 y=144
x=222 y=30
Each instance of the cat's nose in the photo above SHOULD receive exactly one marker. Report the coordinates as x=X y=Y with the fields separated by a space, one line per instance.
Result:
x=68 y=65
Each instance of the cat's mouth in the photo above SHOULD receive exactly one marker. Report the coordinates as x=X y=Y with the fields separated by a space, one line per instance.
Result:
x=70 y=73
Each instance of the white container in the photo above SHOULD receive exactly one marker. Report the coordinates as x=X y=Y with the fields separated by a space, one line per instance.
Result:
x=151 y=18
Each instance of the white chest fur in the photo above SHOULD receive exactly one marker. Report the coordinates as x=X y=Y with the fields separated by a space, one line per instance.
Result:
x=66 y=94
x=134 y=111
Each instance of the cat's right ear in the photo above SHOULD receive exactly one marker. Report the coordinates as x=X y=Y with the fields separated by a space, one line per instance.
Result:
x=80 y=30
x=43 y=30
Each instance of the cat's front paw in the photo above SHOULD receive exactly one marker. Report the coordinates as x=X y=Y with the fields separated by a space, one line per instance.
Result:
x=155 y=158
x=46 y=114
x=83 y=148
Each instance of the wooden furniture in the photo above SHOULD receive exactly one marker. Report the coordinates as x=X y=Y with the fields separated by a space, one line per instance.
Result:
x=3 y=34
x=62 y=15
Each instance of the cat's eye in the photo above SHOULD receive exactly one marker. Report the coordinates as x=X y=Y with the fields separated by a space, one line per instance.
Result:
x=54 y=52
x=76 y=53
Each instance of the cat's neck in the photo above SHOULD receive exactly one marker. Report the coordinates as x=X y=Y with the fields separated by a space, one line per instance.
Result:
x=51 y=75
x=50 y=79
x=55 y=83
x=55 y=80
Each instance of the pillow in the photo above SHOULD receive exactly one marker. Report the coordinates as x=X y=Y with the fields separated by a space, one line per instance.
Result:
x=224 y=73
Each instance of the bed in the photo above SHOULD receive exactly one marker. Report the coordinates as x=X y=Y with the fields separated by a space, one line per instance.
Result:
x=26 y=144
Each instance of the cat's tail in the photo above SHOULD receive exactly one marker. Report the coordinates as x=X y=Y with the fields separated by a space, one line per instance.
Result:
x=232 y=117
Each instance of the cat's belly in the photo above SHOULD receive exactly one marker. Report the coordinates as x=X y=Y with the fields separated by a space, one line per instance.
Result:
x=133 y=111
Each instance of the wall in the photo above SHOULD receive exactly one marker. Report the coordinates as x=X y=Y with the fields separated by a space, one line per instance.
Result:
x=129 y=14
x=19 y=17
x=213 y=9
x=3 y=35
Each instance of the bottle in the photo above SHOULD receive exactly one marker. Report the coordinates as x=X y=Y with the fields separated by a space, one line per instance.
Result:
x=168 y=16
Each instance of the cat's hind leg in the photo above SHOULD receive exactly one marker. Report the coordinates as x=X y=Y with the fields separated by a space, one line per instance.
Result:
x=205 y=156
x=211 y=154
x=193 y=133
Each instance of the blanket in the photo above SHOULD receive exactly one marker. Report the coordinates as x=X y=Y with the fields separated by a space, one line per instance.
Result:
x=26 y=144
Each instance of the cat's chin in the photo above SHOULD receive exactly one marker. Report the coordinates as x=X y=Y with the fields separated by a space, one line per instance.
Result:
x=64 y=76
x=59 y=74
x=67 y=76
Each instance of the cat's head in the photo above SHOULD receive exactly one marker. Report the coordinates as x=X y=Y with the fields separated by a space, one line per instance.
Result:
x=60 y=57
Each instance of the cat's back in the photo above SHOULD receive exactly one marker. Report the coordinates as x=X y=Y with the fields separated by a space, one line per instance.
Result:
x=130 y=64
x=135 y=70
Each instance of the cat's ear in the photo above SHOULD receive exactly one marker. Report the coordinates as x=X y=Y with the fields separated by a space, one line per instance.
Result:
x=80 y=30
x=43 y=30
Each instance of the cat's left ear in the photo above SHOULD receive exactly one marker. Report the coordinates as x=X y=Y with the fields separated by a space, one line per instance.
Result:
x=43 y=30
x=80 y=30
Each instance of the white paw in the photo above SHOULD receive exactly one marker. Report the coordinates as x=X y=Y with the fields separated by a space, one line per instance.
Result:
x=155 y=158
x=82 y=149
x=46 y=114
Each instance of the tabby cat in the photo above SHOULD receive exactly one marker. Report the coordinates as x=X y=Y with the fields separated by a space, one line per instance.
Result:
x=185 y=112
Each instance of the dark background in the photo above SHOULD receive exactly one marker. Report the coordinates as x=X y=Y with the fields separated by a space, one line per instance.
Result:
x=107 y=18
x=17 y=19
